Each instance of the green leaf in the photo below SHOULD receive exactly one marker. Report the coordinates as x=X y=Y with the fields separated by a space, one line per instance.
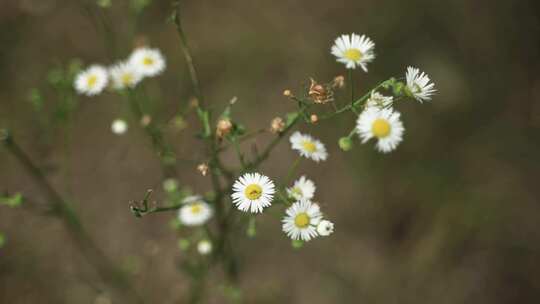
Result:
x=290 y=118
x=2 y=240
x=12 y=201
x=204 y=116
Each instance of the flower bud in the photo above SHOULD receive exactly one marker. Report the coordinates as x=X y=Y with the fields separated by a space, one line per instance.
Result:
x=339 y=82
x=146 y=120
x=314 y=118
x=287 y=93
x=345 y=143
x=204 y=247
x=203 y=169
x=224 y=127
x=277 y=125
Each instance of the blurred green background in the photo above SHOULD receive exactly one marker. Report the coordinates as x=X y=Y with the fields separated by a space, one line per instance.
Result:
x=452 y=216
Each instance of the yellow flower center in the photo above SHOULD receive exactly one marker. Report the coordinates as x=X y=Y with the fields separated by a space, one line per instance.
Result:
x=196 y=208
x=302 y=220
x=253 y=192
x=298 y=191
x=91 y=81
x=127 y=79
x=148 y=61
x=380 y=128
x=353 y=54
x=309 y=146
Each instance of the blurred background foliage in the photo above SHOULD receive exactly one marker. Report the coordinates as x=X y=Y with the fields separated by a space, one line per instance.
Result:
x=452 y=216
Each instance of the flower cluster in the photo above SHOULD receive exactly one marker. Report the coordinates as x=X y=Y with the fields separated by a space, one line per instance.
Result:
x=143 y=62
x=303 y=220
x=379 y=120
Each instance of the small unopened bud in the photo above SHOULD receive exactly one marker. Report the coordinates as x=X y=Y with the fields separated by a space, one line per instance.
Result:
x=224 y=127
x=314 y=118
x=339 y=82
x=119 y=126
x=287 y=93
x=203 y=169
x=204 y=247
x=233 y=100
x=277 y=125
x=146 y=120
x=345 y=143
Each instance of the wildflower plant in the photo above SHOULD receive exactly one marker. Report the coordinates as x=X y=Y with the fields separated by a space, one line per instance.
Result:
x=208 y=222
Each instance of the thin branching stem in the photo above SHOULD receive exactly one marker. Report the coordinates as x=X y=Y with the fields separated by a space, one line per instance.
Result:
x=223 y=247
x=63 y=210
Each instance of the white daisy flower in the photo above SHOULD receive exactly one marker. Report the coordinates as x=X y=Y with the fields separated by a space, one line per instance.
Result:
x=325 y=228
x=354 y=50
x=418 y=85
x=303 y=188
x=119 y=126
x=124 y=75
x=91 y=81
x=195 y=214
x=301 y=220
x=252 y=192
x=379 y=100
x=149 y=62
x=204 y=247
x=382 y=124
x=308 y=146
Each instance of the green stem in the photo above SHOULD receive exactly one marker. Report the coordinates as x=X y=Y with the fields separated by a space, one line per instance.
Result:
x=353 y=105
x=291 y=170
x=224 y=248
x=239 y=154
x=351 y=84
x=163 y=150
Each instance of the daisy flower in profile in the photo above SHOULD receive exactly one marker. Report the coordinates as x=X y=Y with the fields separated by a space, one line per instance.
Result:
x=149 y=62
x=119 y=126
x=382 y=124
x=301 y=220
x=91 y=81
x=354 y=50
x=195 y=213
x=379 y=100
x=418 y=85
x=124 y=75
x=303 y=188
x=308 y=146
x=325 y=228
x=252 y=192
